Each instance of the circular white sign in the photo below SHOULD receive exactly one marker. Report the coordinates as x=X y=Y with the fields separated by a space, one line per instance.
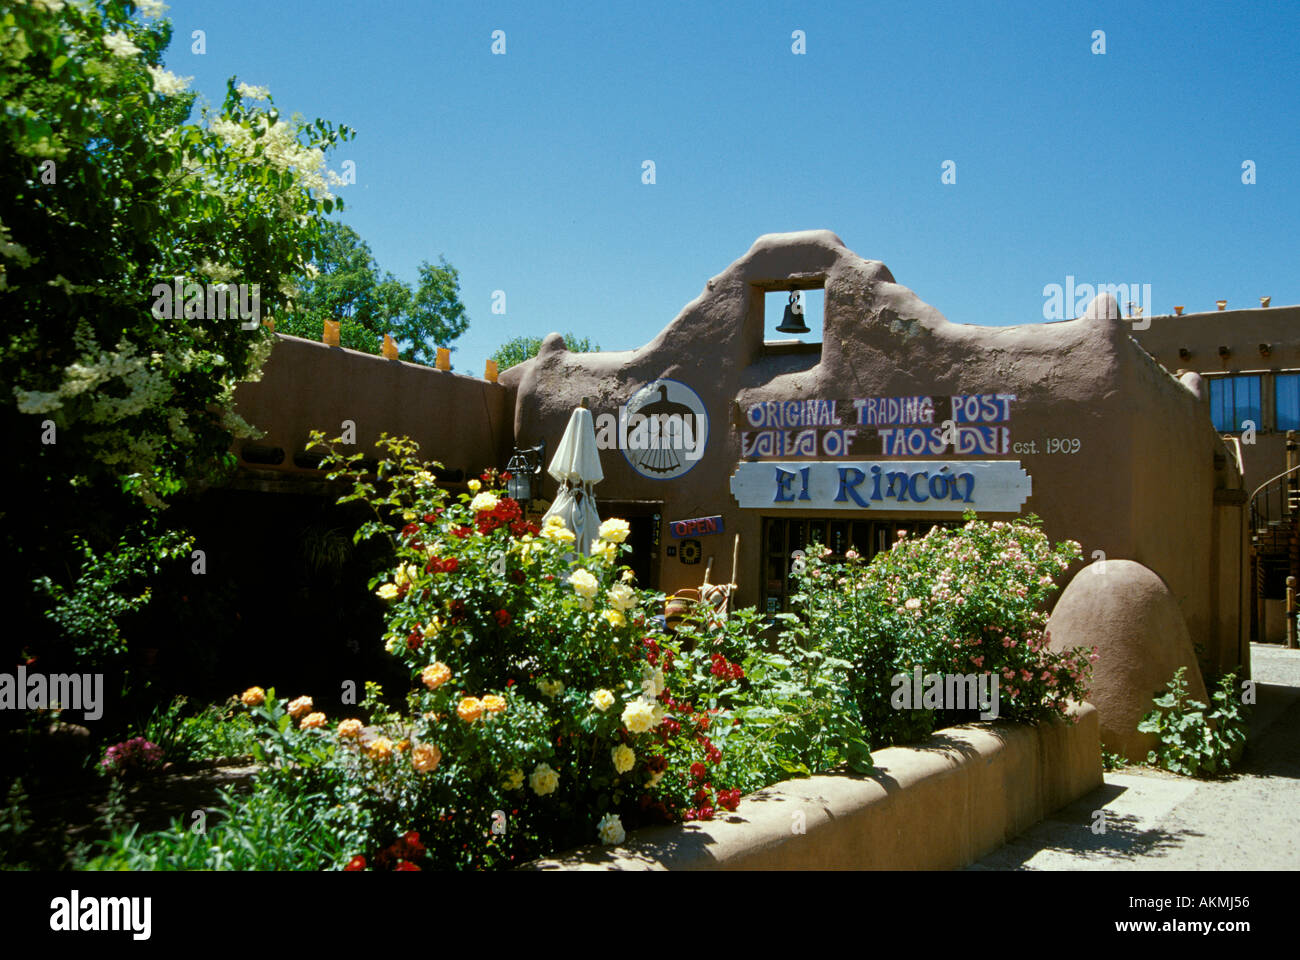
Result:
x=663 y=429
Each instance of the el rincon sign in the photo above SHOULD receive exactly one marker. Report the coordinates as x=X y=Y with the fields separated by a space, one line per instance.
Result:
x=940 y=486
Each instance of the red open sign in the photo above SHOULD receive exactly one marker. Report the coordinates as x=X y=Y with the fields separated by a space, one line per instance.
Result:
x=698 y=527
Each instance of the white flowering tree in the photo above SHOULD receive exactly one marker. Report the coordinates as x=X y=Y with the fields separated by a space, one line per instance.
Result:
x=114 y=181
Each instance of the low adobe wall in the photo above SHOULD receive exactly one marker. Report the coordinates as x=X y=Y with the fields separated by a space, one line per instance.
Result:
x=941 y=804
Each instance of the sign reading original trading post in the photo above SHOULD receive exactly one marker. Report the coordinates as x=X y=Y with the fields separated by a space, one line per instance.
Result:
x=996 y=486
x=962 y=425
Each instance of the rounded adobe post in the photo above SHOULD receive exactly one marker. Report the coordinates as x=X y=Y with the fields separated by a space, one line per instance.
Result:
x=1128 y=613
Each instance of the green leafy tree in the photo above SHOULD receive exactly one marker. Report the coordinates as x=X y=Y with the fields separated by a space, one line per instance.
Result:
x=344 y=285
x=115 y=398
x=520 y=349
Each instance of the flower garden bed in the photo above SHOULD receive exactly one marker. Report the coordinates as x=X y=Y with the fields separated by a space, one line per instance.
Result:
x=547 y=708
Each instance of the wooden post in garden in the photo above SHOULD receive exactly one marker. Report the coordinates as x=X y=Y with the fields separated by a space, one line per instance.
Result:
x=1291 y=613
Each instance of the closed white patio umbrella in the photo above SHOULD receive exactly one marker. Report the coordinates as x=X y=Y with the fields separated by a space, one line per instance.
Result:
x=576 y=465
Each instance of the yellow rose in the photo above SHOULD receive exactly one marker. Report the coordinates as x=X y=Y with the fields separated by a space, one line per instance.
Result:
x=253 y=697
x=605 y=550
x=300 y=706
x=483 y=501
x=544 y=780
x=312 y=721
x=431 y=628
x=603 y=699
x=628 y=575
x=622 y=597
x=514 y=779
x=426 y=758
x=610 y=830
x=584 y=584
x=350 y=728
x=614 y=530
x=436 y=675
x=388 y=591
x=624 y=758
x=380 y=748
x=550 y=688
x=494 y=704
x=474 y=486
x=470 y=709
x=639 y=715
x=614 y=618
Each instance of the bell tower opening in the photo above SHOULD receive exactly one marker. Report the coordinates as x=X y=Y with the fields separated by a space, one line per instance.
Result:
x=792 y=318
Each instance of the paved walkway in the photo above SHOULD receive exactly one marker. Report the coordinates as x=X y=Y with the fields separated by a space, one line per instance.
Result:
x=1158 y=821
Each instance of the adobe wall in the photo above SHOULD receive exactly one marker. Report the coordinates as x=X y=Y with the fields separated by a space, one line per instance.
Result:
x=1242 y=332
x=938 y=805
x=1140 y=485
x=462 y=422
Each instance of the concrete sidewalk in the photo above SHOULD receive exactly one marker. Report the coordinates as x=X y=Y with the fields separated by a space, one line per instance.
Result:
x=1249 y=820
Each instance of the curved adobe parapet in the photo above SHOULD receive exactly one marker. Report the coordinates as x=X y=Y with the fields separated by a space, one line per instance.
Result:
x=1128 y=613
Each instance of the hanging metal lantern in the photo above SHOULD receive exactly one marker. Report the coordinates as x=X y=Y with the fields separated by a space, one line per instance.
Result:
x=792 y=322
x=525 y=468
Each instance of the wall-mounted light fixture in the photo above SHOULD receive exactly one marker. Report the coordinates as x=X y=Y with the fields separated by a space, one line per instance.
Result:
x=1265 y=349
x=1224 y=352
x=525 y=469
x=1183 y=353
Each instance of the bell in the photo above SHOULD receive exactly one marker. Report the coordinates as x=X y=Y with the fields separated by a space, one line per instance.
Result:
x=792 y=322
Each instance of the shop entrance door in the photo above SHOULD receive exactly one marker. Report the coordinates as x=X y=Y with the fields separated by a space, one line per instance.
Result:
x=643 y=520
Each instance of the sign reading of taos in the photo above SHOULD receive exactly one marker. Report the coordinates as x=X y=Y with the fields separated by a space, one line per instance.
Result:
x=998 y=486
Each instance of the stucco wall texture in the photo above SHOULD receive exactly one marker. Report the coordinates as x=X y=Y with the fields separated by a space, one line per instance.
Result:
x=1141 y=487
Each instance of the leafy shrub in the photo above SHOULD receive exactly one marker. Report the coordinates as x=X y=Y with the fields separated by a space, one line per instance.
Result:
x=1191 y=742
x=954 y=601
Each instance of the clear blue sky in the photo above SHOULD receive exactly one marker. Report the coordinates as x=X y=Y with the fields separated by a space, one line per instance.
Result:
x=524 y=170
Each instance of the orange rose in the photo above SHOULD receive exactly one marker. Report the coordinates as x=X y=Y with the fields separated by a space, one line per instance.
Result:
x=494 y=704
x=350 y=728
x=470 y=709
x=300 y=706
x=253 y=697
x=312 y=721
x=436 y=675
x=426 y=758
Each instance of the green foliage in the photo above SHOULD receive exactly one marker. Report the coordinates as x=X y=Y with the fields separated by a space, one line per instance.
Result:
x=344 y=285
x=109 y=189
x=1192 y=742
x=264 y=830
x=519 y=349
x=87 y=614
x=212 y=733
x=965 y=601
x=1112 y=761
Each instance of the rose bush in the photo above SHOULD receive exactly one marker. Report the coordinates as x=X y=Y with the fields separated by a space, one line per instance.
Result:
x=955 y=601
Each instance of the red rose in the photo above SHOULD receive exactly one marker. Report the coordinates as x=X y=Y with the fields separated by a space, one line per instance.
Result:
x=517 y=576
x=450 y=564
x=699 y=771
x=413 y=843
x=409 y=531
x=405 y=865
x=701 y=797
x=737 y=673
x=433 y=566
x=503 y=618
x=430 y=517
x=414 y=640
x=461 y=532
x=356 y=863
x=706 y=813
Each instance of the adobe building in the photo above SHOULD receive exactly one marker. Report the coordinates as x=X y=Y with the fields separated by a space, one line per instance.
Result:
x=1246 y=370
x=896 y=420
